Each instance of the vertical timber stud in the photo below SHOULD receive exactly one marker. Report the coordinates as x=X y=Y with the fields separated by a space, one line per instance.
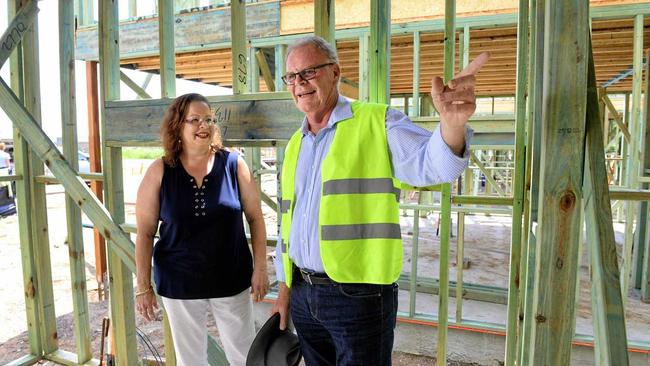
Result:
x=606 y=302
x=239 y=53
x=120 y=277
x=324 y=22
x=94 y=148
x=38 y=207
x=635 y=128
x=645 y=267
x=445 y=198
x=534 y=127
x=167 y=90
x=133 y=8
x=23 y=203
x=379 y=73
x=73 y=213
x=364 y=67
x=416 y=74
x=167 y=51
x=280 y=60
x=561 y=172
x=518 y=185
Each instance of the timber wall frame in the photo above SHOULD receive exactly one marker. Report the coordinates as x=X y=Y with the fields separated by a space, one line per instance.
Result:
x=547 y=217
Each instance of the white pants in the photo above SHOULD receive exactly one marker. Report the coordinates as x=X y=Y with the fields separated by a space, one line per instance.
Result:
x=188 y=322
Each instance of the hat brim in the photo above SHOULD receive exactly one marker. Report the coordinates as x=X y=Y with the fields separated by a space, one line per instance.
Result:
x=257 y=352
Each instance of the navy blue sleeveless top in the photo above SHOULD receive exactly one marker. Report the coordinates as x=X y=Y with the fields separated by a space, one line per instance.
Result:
x=202 y=251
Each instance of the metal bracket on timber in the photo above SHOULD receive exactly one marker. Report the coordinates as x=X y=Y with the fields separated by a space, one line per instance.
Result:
x=74 y=185
x=14 y=33
x=261 y=119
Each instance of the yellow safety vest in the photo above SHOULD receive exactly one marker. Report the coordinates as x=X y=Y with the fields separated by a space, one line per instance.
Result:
x=359 y=231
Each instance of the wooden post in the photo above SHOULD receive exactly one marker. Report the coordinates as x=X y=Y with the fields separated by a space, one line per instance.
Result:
x=280 y=60
x=633 y=167
x=562 y=156
x=239 y=53
x=324 y=20
x=445 y=198
x=379 y=73
x=364 y=67
x=120 y=276
x=416 y=74
x=167 y=52
x=643 y=262
x=534 y=126
x=24 y=205
x=94 y=147
x=607 y=305
x=38 y=210
x=73 y=213
x=518 y=186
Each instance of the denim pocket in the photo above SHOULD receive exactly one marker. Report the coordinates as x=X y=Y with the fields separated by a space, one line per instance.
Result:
x=360 y=290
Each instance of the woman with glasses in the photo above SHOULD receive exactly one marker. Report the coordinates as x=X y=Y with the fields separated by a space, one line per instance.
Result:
x=197 y=192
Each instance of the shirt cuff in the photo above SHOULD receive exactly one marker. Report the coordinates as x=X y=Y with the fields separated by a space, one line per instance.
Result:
x=437 y=138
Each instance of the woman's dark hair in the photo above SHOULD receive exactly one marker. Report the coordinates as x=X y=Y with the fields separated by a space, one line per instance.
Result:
x=172 y=125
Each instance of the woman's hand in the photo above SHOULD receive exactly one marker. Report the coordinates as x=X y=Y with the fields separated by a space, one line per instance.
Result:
x=146 y=303
x=259 y=284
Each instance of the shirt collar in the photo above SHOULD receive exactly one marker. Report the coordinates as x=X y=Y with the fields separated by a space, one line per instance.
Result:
x=341 y=111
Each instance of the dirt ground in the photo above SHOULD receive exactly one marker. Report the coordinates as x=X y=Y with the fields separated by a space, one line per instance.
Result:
x=486 y=245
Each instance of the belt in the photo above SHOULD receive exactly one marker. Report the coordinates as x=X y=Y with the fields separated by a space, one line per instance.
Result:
x=314 y=278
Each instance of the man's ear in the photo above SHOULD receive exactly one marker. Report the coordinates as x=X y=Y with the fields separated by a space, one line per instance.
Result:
x=337 y=72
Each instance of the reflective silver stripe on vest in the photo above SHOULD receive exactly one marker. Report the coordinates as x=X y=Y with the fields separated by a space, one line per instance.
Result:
x=360 y=185
x=360 y=231
x=284 y=206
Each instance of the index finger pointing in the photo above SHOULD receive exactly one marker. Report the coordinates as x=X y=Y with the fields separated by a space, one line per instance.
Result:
x=473 y=67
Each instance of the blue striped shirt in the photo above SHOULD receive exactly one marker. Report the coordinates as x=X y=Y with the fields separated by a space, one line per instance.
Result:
x=419 y=158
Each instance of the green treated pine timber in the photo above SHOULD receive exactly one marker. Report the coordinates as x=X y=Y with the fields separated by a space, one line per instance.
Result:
x=606 y=302
x=465 y=48
x=414 y=262
x=533 y=143
x=641 y=232
x=324 y=20
x=416 y=75
x=18 y=26
x=460 y=260
x=617 y=117
x=280 y=61
x=134 y=86
x=70 y=151
x=512 y=321
x=379 y=52
x=253 y=76
x=482 y=200
x=23 y=205
x=167 y=51
x=133 y=8
x=38 y=208
x=120 y=274
x=562 y=156
x=445 y=198
x=486 y=172
x=644 y=260
x=265 y=70
x=364 y=67
x=633 y=158
x=27 y=360
x=240 y=69
x=61 y=357
x=89 y=12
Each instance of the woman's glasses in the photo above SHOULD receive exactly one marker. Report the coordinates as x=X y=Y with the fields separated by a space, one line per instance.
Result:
x=195 y=121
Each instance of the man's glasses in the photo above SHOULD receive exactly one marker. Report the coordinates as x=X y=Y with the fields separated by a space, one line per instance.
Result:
x=305 y=74
x=195 y=121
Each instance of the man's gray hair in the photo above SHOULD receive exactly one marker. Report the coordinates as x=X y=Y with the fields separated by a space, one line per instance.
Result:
x=320 y=44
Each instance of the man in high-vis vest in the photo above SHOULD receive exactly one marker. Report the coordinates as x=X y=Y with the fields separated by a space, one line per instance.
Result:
x=340 y=250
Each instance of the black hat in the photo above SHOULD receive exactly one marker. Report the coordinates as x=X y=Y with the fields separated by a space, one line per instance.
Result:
x=274 y=347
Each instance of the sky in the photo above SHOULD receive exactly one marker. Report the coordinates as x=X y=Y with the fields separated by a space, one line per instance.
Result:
x=49 y=74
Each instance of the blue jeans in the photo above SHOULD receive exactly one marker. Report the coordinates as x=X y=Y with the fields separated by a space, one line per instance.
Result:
x=344 y=324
